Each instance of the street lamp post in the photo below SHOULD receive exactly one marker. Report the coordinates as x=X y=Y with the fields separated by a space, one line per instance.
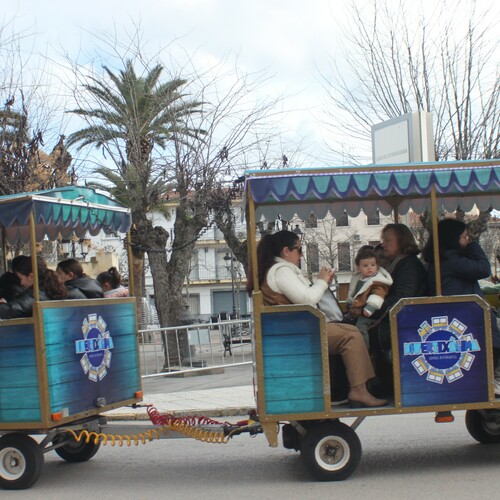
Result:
x=229 y=259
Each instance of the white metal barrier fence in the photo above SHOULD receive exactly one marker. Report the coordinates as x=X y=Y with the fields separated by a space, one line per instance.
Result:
x=187 y=348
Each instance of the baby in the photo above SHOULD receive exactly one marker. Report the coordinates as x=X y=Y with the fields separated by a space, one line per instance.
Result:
x=367 y=289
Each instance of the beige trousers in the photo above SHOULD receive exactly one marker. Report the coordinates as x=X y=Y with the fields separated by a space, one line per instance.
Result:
x=348 y=341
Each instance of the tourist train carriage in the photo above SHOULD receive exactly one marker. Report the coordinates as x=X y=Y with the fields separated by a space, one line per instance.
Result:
x=73 y=359
x=441 y=346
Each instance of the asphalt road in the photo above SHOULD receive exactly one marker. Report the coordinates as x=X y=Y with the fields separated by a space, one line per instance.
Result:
x=404 y=457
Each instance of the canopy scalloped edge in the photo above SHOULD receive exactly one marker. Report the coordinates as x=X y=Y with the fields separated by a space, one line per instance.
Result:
x=300 y=192
x=65 y=211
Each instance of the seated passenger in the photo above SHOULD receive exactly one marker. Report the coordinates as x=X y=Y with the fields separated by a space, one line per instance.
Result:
x=462 y=263
x=78 y=284
x=409 y=279
x=110 y=282
x=368 y=287
x=10 y=287
x=50 y=287
x=282 y=282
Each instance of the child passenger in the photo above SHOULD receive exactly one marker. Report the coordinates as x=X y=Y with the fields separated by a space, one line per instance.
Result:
x=367 y=290
x=111 y=283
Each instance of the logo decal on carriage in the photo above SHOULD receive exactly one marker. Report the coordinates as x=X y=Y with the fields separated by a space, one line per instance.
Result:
x=444 y=351
x=96 y=347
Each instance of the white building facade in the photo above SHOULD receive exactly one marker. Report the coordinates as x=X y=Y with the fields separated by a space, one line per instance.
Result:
x=216 y=283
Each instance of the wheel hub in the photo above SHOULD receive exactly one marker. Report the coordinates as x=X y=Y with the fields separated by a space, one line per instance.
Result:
x=331 y=452
x=492 y=427
x=12 y=463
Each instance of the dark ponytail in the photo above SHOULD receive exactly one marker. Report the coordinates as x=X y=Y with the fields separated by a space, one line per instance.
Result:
x=111 y=276
x=270 y=247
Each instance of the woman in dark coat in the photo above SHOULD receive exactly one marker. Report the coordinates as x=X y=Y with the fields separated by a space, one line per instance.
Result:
x=50 y=287
x=463 y=263
x=409 y=279
x=78 y=284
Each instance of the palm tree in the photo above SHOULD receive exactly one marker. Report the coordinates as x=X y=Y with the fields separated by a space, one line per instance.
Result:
x=133 y=115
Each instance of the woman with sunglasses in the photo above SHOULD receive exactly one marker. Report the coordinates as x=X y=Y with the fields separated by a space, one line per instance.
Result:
x=282 y=282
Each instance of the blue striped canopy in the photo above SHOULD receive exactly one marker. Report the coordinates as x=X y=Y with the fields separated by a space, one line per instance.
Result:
x=65 y=211
x=299 y=192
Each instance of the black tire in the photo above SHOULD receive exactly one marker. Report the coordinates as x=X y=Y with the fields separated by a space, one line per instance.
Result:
x=331 y=451
x=21 y=461
x=483 y=425
x=75 y=451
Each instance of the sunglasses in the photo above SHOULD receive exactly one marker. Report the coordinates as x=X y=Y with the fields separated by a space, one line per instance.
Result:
x=297 y=248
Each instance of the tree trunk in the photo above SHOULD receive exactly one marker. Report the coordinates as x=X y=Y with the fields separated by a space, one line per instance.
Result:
x=168 y=296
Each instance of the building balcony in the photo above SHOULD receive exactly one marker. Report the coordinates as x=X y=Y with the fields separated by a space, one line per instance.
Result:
x=211 y=275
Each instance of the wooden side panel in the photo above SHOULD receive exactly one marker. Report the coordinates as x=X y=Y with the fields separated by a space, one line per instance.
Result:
x=19 y=389
x=92 y=355
x=441 y=348
x=292 y=363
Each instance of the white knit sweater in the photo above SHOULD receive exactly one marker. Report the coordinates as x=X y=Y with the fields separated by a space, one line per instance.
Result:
x=286 y=278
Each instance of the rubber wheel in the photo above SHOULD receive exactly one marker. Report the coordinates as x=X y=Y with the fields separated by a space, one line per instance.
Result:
x=331 y=451
x=75 y=451
x=21 y=461
x=480 y=428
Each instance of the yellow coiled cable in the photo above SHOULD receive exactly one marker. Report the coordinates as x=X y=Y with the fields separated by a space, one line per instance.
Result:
x=203 y=435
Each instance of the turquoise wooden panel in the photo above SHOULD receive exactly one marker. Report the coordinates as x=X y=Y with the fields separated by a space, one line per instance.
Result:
x=58 y=329
x=292 y=363
x=18 y=356
x=70 y=387
x=291 y=344
x=10 y=416
x=19 y=389
x=18 y=376
x=66 y=371
x=23 y=398
x=60 y=354
x=292 y=366
x=65 y=390
x=292 y=388
x=289 y=322
x=12 y=336
x=302 y=406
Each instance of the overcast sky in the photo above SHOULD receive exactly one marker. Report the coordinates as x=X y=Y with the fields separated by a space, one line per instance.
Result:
x=290 y=39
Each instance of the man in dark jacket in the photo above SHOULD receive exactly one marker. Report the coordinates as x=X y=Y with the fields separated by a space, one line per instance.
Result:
x=21 y=306
x=78 y=284
x=10 y=287
x=84 y=288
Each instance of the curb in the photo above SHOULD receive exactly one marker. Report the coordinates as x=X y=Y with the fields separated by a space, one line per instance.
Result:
x=141 y=413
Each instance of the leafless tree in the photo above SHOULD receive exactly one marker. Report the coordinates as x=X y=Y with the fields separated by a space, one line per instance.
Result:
x=26 y=125
x=191 y=161
x=404 y=59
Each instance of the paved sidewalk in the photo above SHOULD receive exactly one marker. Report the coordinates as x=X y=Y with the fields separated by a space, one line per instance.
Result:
x=222 y=393
x=221 y=402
